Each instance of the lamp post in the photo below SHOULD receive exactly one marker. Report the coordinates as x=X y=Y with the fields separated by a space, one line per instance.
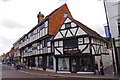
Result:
x=111 y=40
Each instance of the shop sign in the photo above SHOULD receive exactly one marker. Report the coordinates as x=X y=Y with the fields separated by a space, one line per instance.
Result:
x=72 y=52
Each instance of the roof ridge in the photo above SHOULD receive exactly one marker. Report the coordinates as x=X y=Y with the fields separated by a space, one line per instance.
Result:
x=55 y=10
x=46 y=17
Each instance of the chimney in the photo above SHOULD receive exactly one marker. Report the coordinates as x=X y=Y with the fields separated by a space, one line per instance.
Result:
x=40 y=17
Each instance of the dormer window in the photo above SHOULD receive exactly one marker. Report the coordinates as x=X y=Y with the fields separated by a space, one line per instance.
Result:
x=65 y=15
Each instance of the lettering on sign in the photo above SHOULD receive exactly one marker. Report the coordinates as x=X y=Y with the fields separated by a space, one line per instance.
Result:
x=72 y=52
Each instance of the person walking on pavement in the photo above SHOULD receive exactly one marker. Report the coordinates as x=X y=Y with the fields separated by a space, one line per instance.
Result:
x=17 y=66
x=101 y=68
x=96 y=68
x=36 y=65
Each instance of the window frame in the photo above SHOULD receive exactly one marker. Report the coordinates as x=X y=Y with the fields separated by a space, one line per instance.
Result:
x=66 y=25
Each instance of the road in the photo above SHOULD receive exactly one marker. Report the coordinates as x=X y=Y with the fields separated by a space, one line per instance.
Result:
x=9 y=73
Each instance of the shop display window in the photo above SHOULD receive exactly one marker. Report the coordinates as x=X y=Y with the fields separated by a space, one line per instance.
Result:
x=40 y=62
x=63 y=64
x=85 y=64
x=50 y=62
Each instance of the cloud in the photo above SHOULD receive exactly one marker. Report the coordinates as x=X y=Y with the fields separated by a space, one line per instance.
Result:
x=17 y=17
x=5 y=44
x=5 y=0
x=99 y=28
x=11 y=24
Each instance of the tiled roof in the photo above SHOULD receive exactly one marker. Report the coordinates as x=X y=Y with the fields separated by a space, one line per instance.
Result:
x=47 y=17
x=87 y=29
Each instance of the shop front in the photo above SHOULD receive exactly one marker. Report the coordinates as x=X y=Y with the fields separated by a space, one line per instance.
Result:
x=74 y=64
x=42 y=62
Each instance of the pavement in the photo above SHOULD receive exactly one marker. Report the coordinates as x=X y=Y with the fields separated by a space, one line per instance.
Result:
x=32 y=73
x=72 y=75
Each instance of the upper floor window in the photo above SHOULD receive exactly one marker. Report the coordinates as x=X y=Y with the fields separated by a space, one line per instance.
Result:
x=32 y=33
x=44 y=43
x=70 y=43
x=42 y=26
x=68 y=25
x=65 y=15
x=23 y=39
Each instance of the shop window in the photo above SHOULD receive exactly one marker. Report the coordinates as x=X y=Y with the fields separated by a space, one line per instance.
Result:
x=36 y=61
x=50 y=62
x=70 y=44
x=63 y=64
x=40 y=62
x=119 y=28
x=85 y=64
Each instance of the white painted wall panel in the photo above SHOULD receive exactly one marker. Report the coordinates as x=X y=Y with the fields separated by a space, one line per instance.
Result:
x=60 y=43
x=46 y=23
x=80 y=40
x=80 y=32
x=73 y=24
x=67 y=20
x=81 y=47
x=63 y=26
x=73 y=30
x=56 y=52
x=60 y=49
x=49 y=50
x=86 y=40
x=93 y=52
x=68 y=34
x=87 y=50
x=48 y=44
x=58 y=36
x=56 y=43
x=43 y=32
x=63 y=32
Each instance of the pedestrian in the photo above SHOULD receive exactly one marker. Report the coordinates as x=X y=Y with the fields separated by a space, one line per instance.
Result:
x=25 y=64
x=96 y=68
x=19 y=65
x=16 y=65
x=36 y=65
x=101 y=68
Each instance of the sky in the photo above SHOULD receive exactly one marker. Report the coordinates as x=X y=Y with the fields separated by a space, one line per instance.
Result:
x=17 y=17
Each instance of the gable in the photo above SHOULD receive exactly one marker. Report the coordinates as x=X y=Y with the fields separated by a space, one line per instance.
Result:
x=66 y=31
x=57 y=19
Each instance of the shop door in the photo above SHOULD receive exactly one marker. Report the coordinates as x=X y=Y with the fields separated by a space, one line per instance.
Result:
x=73 y=65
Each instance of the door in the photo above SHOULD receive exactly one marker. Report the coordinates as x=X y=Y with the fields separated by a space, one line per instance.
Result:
x=74 y=65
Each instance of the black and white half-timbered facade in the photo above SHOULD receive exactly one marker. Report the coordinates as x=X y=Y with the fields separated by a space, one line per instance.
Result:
x=59 y=43
x=36 y=47
x=76 y=47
